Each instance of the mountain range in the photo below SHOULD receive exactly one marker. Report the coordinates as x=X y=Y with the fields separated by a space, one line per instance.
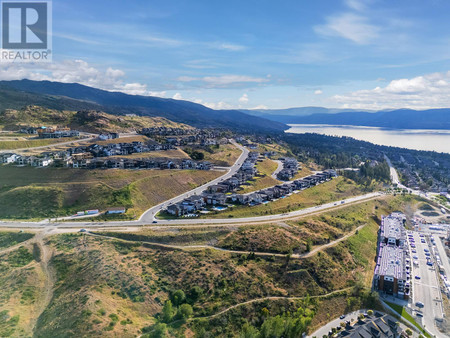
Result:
x=72 y=96
x=396 y=119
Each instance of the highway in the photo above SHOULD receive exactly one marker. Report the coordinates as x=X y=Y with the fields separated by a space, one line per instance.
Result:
x=187 y=222
x=426 y=289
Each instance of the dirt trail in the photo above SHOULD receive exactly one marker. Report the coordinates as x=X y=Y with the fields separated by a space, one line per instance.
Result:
x=195 y=247
x=269 y=298
x=46 y=256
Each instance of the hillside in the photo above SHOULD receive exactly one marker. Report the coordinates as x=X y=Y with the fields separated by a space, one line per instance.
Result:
x=83 y=120
x=106 y=287
x=401 y=118
x=72 y=96
x=28 y=192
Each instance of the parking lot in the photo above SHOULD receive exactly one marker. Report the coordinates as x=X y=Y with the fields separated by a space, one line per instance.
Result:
x=426 y=299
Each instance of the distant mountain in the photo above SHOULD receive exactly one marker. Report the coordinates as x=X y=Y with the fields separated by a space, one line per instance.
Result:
x=73 y=96
x=397 y=119
x=297 y=111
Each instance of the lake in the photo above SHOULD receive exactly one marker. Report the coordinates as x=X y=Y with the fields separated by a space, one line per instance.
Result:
x=419 y=139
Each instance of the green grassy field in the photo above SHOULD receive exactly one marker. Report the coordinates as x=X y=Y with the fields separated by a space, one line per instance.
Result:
x=33 y=193
x=334 y=190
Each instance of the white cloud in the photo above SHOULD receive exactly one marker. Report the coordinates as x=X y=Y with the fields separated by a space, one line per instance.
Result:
x=228 y=46
x=223 y=80
x=357 y=5
x=318 y=92
x=421 y=92
x=76 y=71
x=177 y=96
x=214 y=105
x=349 y=26
x=243 y=99
x=261 y=107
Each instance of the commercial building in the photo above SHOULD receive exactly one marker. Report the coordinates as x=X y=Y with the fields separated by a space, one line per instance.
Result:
x=392 y=271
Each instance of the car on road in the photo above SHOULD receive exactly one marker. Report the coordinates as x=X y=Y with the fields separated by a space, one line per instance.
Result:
x=418 y=314
x=417 y=277
x=414 y=251
x=83 y=230
x=426 y=250
x=415 y=257
x=154 y=222
x=342 y=317
x=429 y=264
x=427 y=254
x=420 y=304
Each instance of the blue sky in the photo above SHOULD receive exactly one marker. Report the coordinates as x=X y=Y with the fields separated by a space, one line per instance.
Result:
x=244 y=54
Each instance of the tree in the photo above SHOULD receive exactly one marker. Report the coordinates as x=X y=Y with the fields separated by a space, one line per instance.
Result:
x=167 y=312
x=195 y=293
x=408 y=332
x=178 y=297
x=249 y=331
x=159 y=331
x=185 y=311
x=308 y=245
x=370 y=312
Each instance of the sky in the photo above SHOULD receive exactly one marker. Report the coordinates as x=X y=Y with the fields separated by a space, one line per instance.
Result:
x=361 y=54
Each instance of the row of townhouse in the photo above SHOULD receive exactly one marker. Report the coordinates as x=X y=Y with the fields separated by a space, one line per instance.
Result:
x=33 y=161
x=118 y=149
x=126 y=163
x=182 y=137
x=290 y=169
x=217 y=194
x=279 y=191
x=86 y=160
x=166 y=131
x=50 y=132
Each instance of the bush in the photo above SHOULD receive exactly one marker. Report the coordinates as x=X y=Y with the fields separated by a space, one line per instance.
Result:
x=185 y=311
x=178 y=297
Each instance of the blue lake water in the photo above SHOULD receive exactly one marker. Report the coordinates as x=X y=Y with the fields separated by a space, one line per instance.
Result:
x=419 y=139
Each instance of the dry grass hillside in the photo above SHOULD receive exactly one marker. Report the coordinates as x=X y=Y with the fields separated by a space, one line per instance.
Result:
x=107 y=287
x=89 y=121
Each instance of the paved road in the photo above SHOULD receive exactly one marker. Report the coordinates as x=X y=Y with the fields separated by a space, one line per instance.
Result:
x=394 y=175
x=187 y=222
x=89 y=138
x=149 y=215
x=426 y=289
x=279 y=168
x=323 y=331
